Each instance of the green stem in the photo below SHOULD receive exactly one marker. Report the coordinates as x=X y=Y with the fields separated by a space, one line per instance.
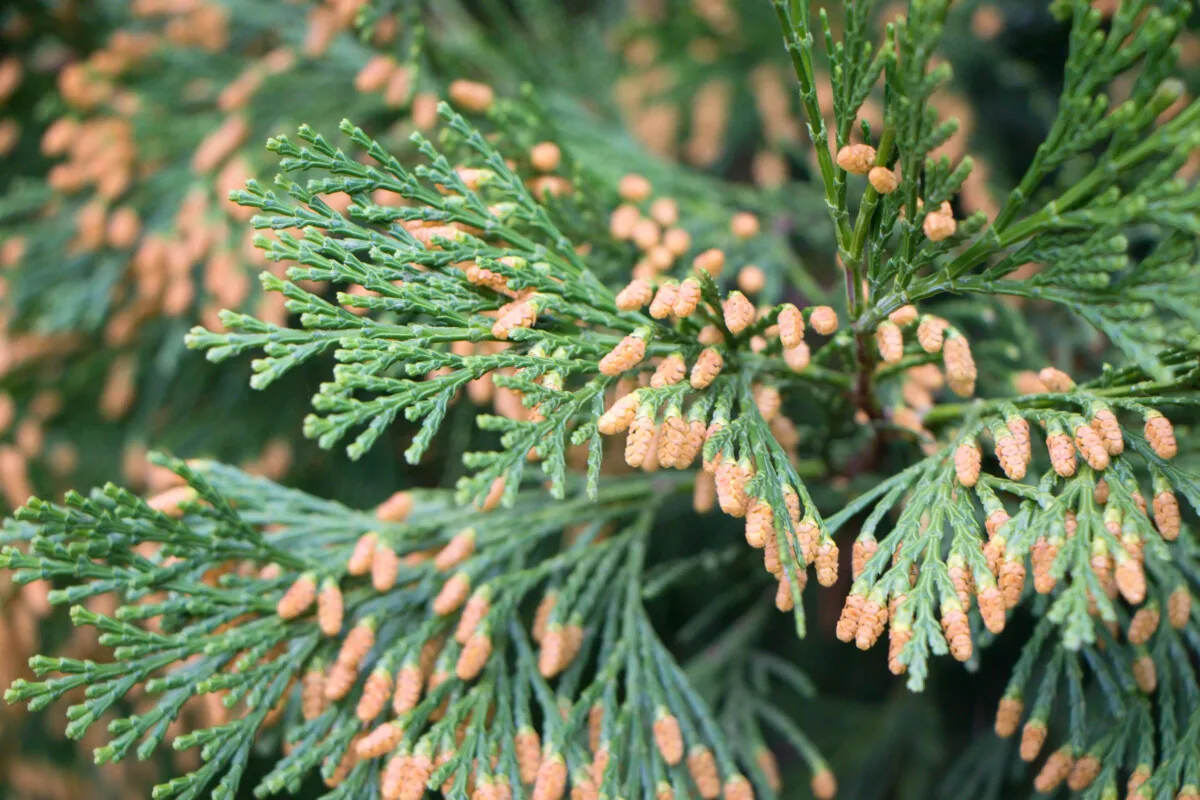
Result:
x=1102 y=174
x=862 y=224
x=950 y=412
x=800 y=51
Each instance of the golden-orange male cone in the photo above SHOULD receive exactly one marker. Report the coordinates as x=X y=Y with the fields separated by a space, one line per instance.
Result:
x=1166 y=515
x=362 y=555
x=703 y=769
x=824 y=320
x=738 y=311
x=668 y=737
x=1062 y=454
x=939 y=225
x=931 y=333
x=528 y=748
x=899 y=635
x=380 y=741
x=1008 y=716
x=663 y=303
x=860 y=554
x=958 y=633
x=824 y=784
x=312 y=693
x=1083 y=773
x=376 y=692
x=474 y=656
x=640 y=441
x=687 y=299
x=330 y=608
x=1055 y=770
x=738 y=788
x=471 y=96
x=1009 y=452
x=1033 y=736
x=385 y=568
x=551 y=780
x=298 y=598
x=1105 y=423
x=791 y=325
x=1143 y=624
x=967 y=461
x=890 y=342
x=453 y=594
x=396 y=508
x=883 y=180
x=620 y=415
x=1179 y=607
x=706 y=369
x=476 y=609
x=627 y=354
x=827 y=563
x=456 y=551
x=870 y=628
x=1161 y=435
x=409 y=681
x=636 y=295
x=991 y=607
x=960 y=365
x=856 y=159
x=851 y=617
x=545 y=156
x=710 y=261
x=1145 y=674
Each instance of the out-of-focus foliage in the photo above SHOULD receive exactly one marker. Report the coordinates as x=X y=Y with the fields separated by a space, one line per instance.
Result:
x=840 y=286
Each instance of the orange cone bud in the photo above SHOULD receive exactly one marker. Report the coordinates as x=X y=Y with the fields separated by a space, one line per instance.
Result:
x=967 y=461
x=298 y=598
x=1033 y=736
x=330 y=608
x=1161 y=435
x=668 y=738
x=1008 y=716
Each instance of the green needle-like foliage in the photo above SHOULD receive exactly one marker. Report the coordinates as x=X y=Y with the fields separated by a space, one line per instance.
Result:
x=218 y=591
x=568 y=333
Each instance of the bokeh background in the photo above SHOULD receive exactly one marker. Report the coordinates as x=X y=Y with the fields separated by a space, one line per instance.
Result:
x=124 y=124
